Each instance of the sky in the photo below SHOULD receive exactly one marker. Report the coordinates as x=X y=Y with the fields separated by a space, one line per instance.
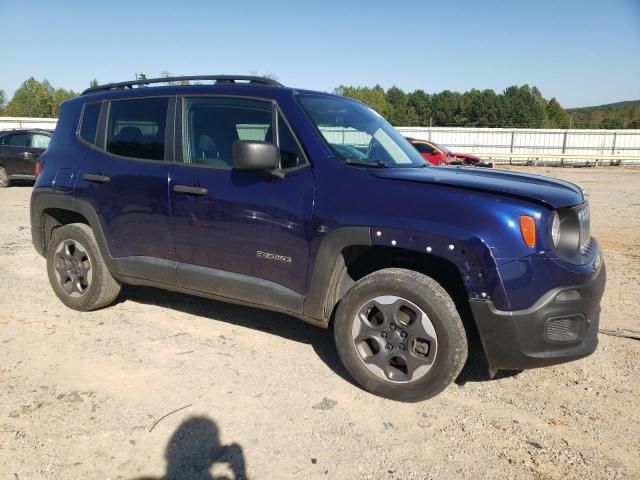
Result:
x=582 y=52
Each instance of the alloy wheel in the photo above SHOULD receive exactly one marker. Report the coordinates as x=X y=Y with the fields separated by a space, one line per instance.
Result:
x=73 y=268
x=395 y=339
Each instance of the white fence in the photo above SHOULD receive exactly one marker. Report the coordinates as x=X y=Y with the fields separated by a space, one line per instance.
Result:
x=521 y=145
x=24 y=122
x=504 y=145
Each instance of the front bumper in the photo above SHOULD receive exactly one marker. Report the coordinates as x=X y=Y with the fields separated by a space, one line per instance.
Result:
x=547 y=333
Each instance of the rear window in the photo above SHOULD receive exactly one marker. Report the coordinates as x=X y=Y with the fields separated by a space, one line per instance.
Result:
x=89 y=124
x=136 y=128
x=39 y=140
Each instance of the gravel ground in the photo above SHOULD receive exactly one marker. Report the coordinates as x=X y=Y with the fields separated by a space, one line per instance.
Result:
x=83 y=395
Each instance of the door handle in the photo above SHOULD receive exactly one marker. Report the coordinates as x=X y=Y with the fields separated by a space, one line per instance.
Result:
x=190 y=190
x=92 y=177
x=28 y=155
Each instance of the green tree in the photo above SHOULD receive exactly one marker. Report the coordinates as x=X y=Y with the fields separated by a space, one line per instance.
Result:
x=3 y=101
x=420 y=102
x=93 y=83
x=400 y=112
x=374 y=97
x=612 y=123
x=31 y=99
x=557 y=117
x=524 y=107
x=448 y=109
x=37 y=99
x=517 y=106
x=482 y=108
x=60 y=95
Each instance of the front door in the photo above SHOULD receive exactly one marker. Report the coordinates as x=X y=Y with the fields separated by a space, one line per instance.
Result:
x=240 y=234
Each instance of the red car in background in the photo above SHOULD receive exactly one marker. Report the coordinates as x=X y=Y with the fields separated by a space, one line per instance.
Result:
x=440 y=155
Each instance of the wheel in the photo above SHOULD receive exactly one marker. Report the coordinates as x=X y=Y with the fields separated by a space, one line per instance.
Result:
x=77 y=271
x=4 y=178
x=399 y=335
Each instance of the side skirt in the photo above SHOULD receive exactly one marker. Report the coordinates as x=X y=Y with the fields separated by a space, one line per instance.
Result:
x=213 y=284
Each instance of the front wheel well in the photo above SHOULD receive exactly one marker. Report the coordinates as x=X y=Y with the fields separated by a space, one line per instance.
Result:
x=53 y=218
x=360 y=261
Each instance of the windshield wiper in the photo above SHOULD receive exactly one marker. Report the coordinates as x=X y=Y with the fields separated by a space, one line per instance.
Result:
x=366 y=163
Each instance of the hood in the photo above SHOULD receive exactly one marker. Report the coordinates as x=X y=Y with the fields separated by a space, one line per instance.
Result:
x=468 y=156
x=548 y=191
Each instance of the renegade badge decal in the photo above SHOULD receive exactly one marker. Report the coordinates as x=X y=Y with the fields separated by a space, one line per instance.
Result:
x=273 y=256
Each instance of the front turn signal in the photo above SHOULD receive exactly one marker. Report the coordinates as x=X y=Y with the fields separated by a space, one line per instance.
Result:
x=528 y=230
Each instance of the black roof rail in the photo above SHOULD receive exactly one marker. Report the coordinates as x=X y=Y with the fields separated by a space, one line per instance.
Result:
x=219 y=79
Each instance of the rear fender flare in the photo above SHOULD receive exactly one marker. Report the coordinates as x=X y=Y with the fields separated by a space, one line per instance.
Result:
x=45 y=201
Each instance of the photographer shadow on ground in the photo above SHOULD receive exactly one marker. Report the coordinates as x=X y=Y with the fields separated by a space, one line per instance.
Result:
x=194 y=450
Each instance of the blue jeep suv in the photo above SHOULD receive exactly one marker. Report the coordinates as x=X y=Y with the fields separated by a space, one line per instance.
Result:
x=240 y=189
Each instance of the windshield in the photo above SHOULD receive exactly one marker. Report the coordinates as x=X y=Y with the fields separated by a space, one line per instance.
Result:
x=358 y=135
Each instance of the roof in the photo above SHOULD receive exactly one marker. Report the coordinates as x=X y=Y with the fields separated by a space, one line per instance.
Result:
x=18 y=130
x=218 y=79
x=244 y=85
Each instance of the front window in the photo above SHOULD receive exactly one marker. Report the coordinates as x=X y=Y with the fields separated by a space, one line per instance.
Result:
x=16 y=139
x=213 y=124
x=357 y=134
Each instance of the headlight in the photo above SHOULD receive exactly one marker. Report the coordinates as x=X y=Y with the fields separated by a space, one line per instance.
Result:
x=570 y=232
x=555 y=229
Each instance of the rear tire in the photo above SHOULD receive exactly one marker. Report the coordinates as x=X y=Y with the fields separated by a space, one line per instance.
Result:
x=400 y=336
x=4 y=178
x=77 y=272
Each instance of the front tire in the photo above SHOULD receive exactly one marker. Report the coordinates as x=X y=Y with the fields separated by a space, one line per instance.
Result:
x=77 y=272
x=400 y=336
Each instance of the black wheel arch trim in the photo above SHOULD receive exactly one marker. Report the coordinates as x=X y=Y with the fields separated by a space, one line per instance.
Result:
x=327 y=270
x=40 y=202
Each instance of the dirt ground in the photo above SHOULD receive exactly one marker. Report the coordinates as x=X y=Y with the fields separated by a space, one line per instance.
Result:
x=83 y=395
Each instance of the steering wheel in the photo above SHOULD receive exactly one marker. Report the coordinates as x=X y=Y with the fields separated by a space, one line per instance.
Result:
x=375 y=151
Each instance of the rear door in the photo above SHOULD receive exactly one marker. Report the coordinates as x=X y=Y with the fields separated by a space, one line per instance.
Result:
x=124 y=179
x=239 y=234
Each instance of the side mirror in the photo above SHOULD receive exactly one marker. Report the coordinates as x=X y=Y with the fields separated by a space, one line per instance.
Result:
x=256 y=156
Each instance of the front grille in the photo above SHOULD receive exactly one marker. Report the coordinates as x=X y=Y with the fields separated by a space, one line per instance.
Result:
x=584 y=222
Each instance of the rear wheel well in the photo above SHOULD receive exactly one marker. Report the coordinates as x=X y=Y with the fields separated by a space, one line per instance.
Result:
x=359 y=261
x=53 y=218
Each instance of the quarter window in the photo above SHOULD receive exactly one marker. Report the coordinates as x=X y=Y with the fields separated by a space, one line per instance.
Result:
x=213 y=125
x=136 y=128
x=290 y=153
x=89 y=125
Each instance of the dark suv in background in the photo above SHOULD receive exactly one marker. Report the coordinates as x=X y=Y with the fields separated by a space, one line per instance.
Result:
x=311 y=204
x=19 y=152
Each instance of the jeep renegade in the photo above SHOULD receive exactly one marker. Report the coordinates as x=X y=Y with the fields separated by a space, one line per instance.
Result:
x=311 y=204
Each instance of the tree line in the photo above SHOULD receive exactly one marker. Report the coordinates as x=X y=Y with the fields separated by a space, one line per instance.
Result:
x=516 y=107
x=34 y=99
